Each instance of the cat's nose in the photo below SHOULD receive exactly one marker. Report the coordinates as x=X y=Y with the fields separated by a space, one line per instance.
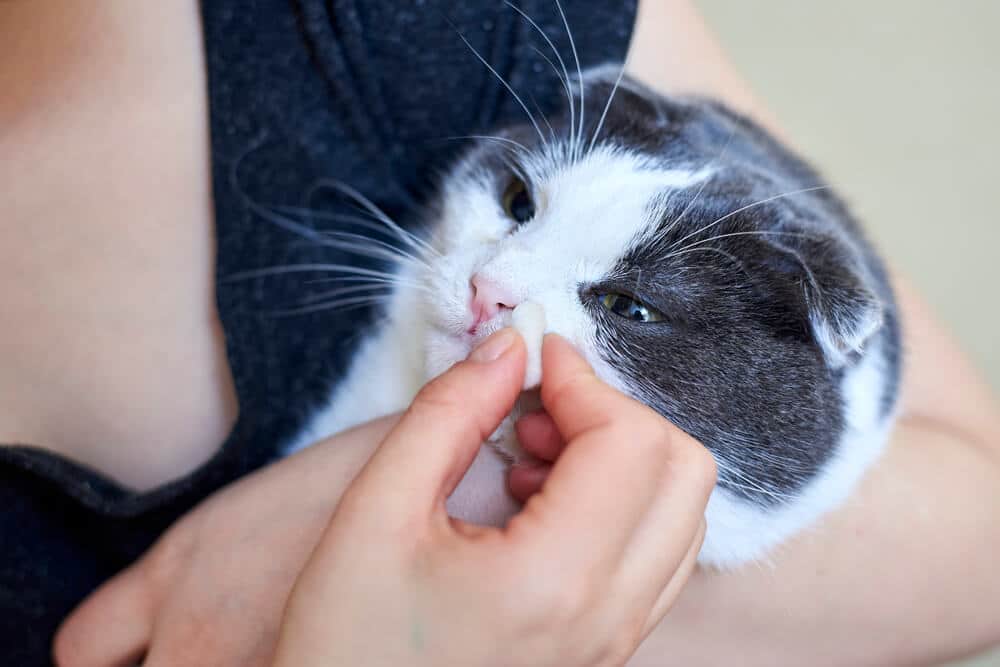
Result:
x=488 y=298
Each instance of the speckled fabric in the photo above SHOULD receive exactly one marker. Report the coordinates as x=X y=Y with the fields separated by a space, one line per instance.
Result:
x=369 y=92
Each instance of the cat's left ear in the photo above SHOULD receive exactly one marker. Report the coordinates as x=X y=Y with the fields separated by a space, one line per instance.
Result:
x=841 y=303
x=601 y=81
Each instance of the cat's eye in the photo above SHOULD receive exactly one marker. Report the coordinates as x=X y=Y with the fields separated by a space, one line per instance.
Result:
x=629 y=308
x=517 y=202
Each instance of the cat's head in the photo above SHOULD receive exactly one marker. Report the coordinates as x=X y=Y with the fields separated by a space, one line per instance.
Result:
x=696 y=265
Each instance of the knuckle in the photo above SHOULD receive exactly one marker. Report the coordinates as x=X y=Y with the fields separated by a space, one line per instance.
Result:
x=441 y=396
x=695 y=463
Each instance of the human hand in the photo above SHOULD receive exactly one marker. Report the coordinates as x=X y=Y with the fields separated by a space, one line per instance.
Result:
x=212 y=589
x=578 y=577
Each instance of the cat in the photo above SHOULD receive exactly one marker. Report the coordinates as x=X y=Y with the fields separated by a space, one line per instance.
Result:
x=696 y=263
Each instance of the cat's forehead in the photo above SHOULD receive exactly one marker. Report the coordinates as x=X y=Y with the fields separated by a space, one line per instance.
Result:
x=609 y=199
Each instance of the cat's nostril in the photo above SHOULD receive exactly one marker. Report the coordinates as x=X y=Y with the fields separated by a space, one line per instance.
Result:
x=488 y=298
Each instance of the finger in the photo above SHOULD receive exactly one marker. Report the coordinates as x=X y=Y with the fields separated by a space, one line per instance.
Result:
x=428 y=452
x=682 y=574
x=610 y=472
x=111 y=628
x=525 y=480
x=538 y=435
x=674 y=521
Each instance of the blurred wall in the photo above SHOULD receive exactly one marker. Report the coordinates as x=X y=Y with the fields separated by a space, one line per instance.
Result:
x=898 y=103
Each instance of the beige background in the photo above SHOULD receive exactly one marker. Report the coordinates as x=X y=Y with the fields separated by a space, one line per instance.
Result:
x=898 y=102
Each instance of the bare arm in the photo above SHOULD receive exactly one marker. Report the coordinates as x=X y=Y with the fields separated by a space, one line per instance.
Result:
x=906 y=572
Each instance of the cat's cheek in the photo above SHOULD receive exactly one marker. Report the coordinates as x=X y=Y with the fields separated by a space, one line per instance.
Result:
x=441 y=352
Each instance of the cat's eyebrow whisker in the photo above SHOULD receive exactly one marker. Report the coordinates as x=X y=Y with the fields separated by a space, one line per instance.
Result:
x=760 y=202
x=579 y=72
x=730 y=256
x=694 y=245
x=489 y=137
x=502 y=80
x=374 y=210
x=564 y=79
x=607 y=105
x=715 y=161
x=565 y=82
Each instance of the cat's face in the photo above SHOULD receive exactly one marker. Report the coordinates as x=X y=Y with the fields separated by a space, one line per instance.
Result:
x=692 y=267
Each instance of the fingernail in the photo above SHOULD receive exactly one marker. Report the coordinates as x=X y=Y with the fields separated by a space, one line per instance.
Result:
x=493 y=347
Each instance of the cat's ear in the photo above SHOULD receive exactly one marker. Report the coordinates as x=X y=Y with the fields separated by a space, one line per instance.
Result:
x=601 y=81
x=843 y=309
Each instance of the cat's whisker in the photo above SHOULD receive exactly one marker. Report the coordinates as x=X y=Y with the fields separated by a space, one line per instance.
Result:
x=701 y=188
x=729 y=476
x=374 y=210
x=607 y=106
x=579 y=72
x=760 y=202
x=369 y=223
x=344 y=291
x=730 y=256
x=545 y=119
x=489 y=137
x=369 y=249
x=502 y=80
x=723 y=236
x=318 y=267
x=565 y=72
x=566 y=87
x=346 y=304
x=365 y=243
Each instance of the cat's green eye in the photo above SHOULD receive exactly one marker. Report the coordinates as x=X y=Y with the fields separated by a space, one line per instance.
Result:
x=517 y=202
x=627 y=307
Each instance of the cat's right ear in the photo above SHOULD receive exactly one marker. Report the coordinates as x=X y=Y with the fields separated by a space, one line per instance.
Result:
x=842 y=308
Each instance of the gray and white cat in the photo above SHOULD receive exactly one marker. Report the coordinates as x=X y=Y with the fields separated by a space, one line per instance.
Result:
x=697 y=264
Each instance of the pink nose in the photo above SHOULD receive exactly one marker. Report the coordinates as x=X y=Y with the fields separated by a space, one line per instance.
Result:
x=488 y=299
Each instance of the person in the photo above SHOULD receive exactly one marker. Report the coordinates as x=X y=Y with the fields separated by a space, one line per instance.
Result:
x=134 y=356
x=578 y=577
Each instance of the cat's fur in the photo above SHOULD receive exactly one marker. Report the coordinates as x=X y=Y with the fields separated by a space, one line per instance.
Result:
x=780 y=345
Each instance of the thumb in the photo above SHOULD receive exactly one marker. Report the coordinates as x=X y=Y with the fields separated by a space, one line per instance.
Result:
x=426 y=455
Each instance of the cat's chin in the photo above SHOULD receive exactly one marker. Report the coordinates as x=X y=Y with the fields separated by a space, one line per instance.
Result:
x=443 y=349
x=482 y=497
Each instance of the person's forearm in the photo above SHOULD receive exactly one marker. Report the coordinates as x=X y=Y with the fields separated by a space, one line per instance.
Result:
x=906 y=572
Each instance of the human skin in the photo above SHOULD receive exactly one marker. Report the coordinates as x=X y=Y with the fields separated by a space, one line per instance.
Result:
x=903 y=574
x=579 y=576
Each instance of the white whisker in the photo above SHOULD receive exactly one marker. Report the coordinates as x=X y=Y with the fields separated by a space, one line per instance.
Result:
x=350 y=303
x=555 y=51
x=307 y=268
x=715 y=161
x=503 y=81
x=694 y=245
x=607 y=105
x=744 y=208
x=374 y=210
x=579 y=73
